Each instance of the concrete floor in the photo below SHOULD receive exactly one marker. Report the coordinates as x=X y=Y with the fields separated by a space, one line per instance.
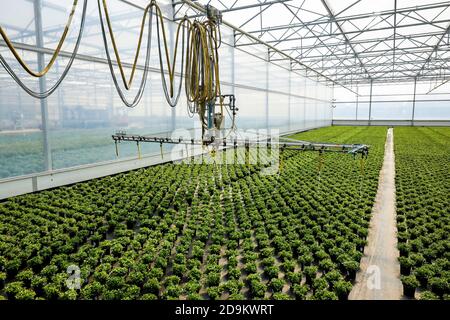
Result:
x=379 y=276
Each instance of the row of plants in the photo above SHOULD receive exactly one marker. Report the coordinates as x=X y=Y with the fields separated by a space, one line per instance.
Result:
x=423 y=216
x=198 y=231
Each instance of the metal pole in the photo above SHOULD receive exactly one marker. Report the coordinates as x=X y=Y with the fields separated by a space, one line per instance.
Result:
x=370 y=102
x=414 y=102
x=305 y=103
x=289 y=98
x=232 y=49
x=42 y=85
x=357 y=103
x=111 y=106
x=316 y=117
x=267 y=90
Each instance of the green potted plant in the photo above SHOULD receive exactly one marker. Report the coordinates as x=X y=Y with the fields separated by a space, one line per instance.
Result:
x=13 y=288
x=410 y=283
x=440 y=286
x=423 y=274
x=310 y=273
x=2 y=280
x=276 y=284
x=342 y=289
x=300 y=291
x=351 y=267
x=281 y=296
x=428 y=295
x=406 y=264
x=213 y=293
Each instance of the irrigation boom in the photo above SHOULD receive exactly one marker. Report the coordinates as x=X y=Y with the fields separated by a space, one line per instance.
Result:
x=352 y=149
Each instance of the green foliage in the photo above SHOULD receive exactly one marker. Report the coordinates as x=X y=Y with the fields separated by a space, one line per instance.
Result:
x=152 y=286
x=410 y=283
x=428 y=295
x=163 y=231
x=213 y=279
x=213 y=293
x=281 y=296
x=300 y=291
x=422 y=209
x=276 y=284
x=310 y=273
x=173 y=291
x=342 y=289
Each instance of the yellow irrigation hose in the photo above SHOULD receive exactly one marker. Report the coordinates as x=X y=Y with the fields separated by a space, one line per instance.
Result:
x=202 y=81
x=55 y=55
x=202 y=55
x=126 y=83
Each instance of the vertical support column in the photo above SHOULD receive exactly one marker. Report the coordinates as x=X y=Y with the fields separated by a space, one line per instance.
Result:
x=233 y=75
x=111 y=105
x=305 y=101
x=333 y=101
x=370 y=103
x=20 y=115
x=289 y=98
x=316 y=104
x=414 y=102
x=357 y=102
x=42 y=85
x=232 y=51
x=267 y=90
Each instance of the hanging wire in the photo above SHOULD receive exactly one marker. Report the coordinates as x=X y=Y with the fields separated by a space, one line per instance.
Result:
x=137 y=98
x=199 y=60
x=47 y=93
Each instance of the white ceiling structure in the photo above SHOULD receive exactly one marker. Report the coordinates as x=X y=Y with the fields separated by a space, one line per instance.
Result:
x=351 y=42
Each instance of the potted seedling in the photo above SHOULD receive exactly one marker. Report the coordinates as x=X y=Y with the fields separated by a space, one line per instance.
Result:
x=352 y=267
x=406 y=264
x=410 y=283
x=310 y=273
x=2 y=280
x=342 y=289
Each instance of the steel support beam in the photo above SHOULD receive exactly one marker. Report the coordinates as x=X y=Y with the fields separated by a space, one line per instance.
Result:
x=370 y=102
x=289 y=100
x=329 y=20
x=259 y=41
x=37 y=5
x=357 y=103
x=267 y=93
x=414 y=102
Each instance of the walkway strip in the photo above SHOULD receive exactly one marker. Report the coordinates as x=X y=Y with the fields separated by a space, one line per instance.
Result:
x=379 y=275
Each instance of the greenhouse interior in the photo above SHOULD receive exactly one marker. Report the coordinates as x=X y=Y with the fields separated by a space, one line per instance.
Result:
x=225 y=150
